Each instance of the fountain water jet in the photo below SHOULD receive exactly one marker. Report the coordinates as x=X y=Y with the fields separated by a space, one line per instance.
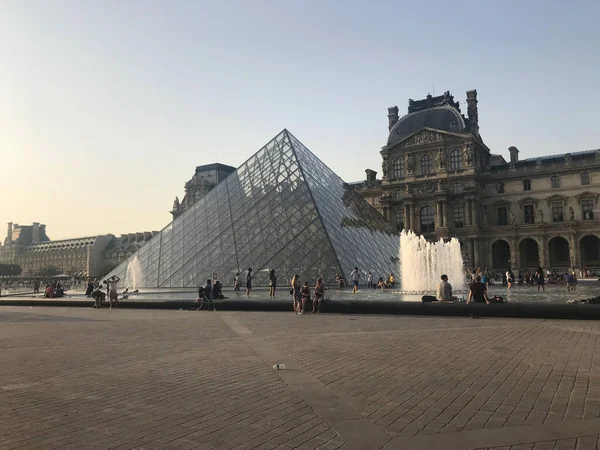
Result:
x=423 y=262
x=134 y=273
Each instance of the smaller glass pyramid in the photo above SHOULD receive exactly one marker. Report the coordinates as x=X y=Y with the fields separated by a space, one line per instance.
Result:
x=282 y=209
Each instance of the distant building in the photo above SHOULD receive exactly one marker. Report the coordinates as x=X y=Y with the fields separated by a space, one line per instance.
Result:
x=441 y=180
x=122 y=247
x=205 y=178
x=94 y=256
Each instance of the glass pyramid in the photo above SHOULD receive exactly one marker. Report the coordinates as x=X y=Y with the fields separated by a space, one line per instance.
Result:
x=282 y=209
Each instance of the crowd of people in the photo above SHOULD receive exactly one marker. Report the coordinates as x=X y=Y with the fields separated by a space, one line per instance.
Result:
x=380 y=283
x=303 y=294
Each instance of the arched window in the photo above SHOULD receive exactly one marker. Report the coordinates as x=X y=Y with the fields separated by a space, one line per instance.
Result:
x=425 y=164
x=397 y=168
x=427 y=220
x=455 y=160
x=555 y=181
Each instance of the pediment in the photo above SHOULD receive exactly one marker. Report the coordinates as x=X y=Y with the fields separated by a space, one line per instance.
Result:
x=586 y=194
x=557 y=198
x=527 y=200
x=427 y=136
x=501 y=203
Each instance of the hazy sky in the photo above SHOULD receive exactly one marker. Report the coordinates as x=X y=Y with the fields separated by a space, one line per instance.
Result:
x=106 y=107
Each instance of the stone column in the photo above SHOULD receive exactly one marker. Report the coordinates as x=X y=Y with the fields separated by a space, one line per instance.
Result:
x=470 y=253
x=438 y=215
x=444 y=211
x=543 y=252
x=385 y=214
x=476 y=252
x=573 y=251
x=474 y=213
x=468 y=212
x=406 y=216
x=516 y=262
x=471 y=218
x=412 y=218
x=513 y=253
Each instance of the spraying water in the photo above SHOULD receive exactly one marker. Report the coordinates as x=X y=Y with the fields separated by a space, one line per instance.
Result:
x=134 y=273
x=423 y=262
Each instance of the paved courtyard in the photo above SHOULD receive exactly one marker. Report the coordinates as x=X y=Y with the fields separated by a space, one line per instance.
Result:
x=76 y=378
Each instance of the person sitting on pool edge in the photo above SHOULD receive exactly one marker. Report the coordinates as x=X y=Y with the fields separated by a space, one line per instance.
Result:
x=478 y=292
x=443 y=290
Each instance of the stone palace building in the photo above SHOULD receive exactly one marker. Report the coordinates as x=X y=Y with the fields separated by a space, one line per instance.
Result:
x=441 y=180
x=30 y=247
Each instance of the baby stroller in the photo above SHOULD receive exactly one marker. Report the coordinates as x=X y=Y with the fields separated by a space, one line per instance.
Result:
x=204 y=301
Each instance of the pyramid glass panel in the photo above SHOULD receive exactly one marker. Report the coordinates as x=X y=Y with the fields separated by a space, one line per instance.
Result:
x=282 y=209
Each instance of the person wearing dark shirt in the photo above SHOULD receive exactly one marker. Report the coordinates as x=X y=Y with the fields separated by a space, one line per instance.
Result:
x=208 y=289
x=478 y=292
x=216 y=291
x=249 y=281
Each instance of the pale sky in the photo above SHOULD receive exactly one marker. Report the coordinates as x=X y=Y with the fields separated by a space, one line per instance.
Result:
x=106 y=107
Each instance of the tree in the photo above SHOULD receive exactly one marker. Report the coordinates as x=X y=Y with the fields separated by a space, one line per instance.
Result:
x=48 y=271
x=10 y=270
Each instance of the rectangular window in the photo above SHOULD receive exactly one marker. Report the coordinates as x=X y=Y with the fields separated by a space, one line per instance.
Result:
x=528 y=214
x=399 y=219
x=459 y=221
x=587 y=209
x=502 y=216
x=555 y=181
x=456 y=188
x=557 y=212
x=526 y=185
x=585 y=178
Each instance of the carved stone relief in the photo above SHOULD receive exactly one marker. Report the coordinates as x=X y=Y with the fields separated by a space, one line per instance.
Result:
x=424 y=137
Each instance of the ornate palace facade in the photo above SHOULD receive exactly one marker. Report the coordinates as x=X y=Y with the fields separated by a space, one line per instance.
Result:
x=30 y=247
x=441 y=180
x=205 y=178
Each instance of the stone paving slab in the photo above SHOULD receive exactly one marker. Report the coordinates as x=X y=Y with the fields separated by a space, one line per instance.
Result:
x=82 y=378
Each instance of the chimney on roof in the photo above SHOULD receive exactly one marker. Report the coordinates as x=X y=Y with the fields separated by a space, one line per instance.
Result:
x=392 y=117
x=9 y=233
x=371 y=175
x=35 y=237
x=43 y=232
x=472 y=111
x=514 y=155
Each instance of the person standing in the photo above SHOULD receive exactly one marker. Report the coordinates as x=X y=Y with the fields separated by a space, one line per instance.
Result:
x=296 y=296
x=443 y=290
x=249 y=282
x=90 y=288
x=477 y=291
x=485 y=279
x=369 y=279
x=272 y=283
x=355 y=277
x=36 y=286
x=112 y=290
x=539 y=279
x=236 y=282
x=509 y=279
x=319 y=295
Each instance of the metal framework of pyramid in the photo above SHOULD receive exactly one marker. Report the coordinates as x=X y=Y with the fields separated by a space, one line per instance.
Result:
x=282 y=209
